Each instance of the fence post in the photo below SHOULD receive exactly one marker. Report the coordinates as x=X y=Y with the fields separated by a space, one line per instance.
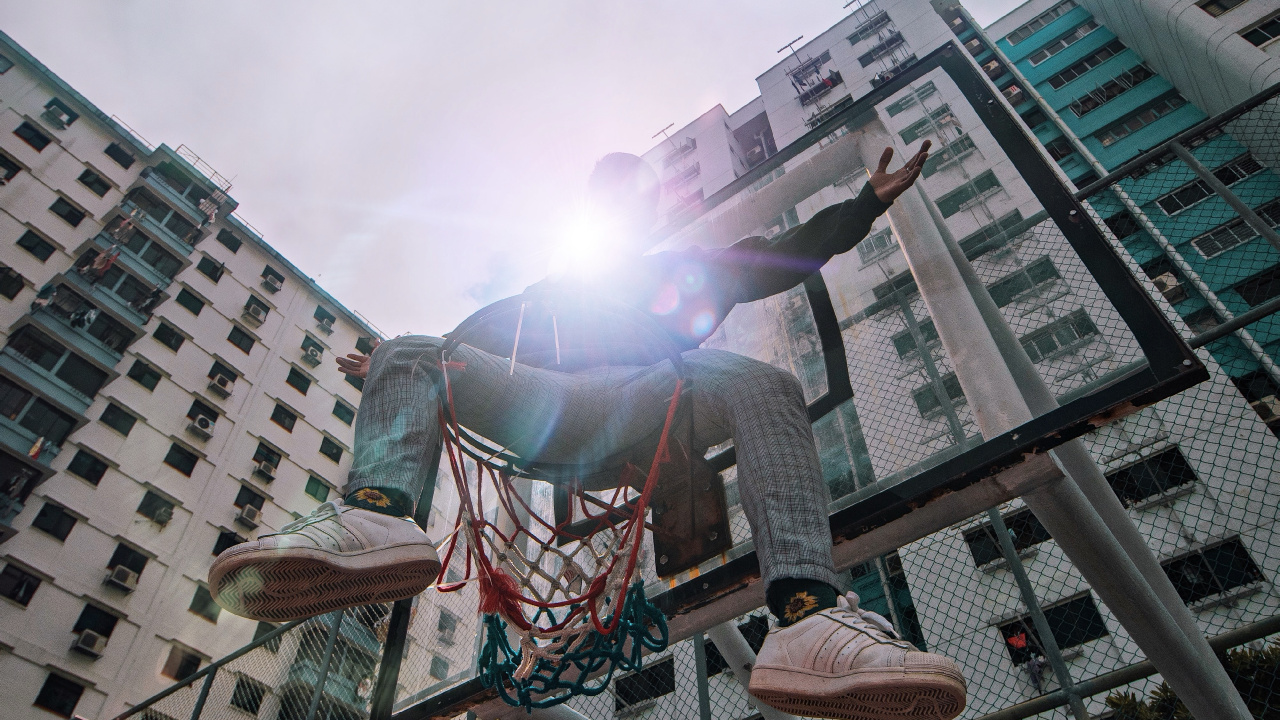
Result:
x=700 y=669
x=329 y=645
x=204 y=694
x=384 y=692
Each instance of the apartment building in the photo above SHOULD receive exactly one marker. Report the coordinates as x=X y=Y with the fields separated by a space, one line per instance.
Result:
x=168 y=390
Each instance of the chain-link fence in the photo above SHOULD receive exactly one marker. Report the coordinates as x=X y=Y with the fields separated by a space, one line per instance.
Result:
x=1195 y=223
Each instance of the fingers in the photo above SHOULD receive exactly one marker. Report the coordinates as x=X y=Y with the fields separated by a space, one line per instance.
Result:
x=885 y=157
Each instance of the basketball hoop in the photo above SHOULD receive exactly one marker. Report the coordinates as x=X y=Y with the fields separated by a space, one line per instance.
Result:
x=566 y=591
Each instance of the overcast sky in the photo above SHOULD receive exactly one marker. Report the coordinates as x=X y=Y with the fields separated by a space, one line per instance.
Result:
x=415 y=158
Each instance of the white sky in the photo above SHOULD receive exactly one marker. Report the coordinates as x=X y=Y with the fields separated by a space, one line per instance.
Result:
x=415 y=158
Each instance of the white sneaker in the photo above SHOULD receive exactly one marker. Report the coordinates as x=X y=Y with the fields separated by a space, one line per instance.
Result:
x=848 y=663
x=336 y=557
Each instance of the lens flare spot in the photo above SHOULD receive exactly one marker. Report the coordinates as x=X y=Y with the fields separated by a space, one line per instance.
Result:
x=666 y=300
x=702 y=323
x=692 y=278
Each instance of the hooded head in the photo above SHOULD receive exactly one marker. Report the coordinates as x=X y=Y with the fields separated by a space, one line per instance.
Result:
x=625 y=190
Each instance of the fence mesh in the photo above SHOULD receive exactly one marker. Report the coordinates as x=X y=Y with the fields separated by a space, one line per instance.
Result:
x=1195 y=471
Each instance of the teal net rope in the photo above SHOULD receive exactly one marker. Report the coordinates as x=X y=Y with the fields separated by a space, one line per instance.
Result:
x=553 y=681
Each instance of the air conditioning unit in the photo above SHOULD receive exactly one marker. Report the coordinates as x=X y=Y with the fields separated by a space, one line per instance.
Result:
x=57 y=117
x=122 y=577
x=255 y=314
x=249 y=516
x=1170 y=287
x=201 y=427
x=1268 y=408
x=311 y=356
x=266 y=470
x=325 y=324
x=272 y=283
x=221 y=385
x=90 y=643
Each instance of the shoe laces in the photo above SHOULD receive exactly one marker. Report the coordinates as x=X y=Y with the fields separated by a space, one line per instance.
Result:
x=869 y=622
x=324 y=512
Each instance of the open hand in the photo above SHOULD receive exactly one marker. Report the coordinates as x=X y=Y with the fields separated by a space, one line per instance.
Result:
x=889 y=185
x=354 y=364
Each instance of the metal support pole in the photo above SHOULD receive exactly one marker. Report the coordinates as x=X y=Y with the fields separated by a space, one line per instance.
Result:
x=700 y=669
x=329 y=644
x=1062 y=507
x=1246 y=213
x=741 y=658
x=204 y=694
x=1047 y=641
x=384 y=692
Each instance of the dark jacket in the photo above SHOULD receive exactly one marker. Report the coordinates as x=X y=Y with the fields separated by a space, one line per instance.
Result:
x=670 y=302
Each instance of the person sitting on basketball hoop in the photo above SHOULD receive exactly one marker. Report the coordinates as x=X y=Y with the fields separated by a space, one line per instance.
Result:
x=825 y=657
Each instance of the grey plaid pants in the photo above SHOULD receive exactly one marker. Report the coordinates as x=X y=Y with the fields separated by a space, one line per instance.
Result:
x=561 y=417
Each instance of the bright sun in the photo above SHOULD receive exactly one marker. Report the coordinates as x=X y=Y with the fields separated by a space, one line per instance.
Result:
x=586 y=247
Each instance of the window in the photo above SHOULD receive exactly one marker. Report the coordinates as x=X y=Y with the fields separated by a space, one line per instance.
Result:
x=271 y=274
x=1059 y=148
x=330 y=449
x=262 y=309
x=317 y=489
x=309 y=342
x=210 y=267
x=439 y=668
x=32 y=135
x=122 y=157
x=11 y=282
x=181 y=664
x=265 y=453
x=990 y=237
x=353 y=381
x=127 y=557
x=1024 y=529
x=1193 y=192
x=9 y=169
x=284 y=417
x=168 y=336
x=1122 y=224
x=926 y=126
x=1034 y=118
x=927 y=399
x=1266 y=32
x=1060 y=336
x=247 y=694
x=1141 y=119
x=36 y=245
x=1212 y=571
x=226 y=539
x=54 y=520
x=446 y=627
x=869 y=28
x=1072 y=623
x=87 y=466
x=882 y=48
x=949 y=153
x=754 y=630
x=59 y=695
x=1030 y=28
x=96 y=184
x=65 y=210
x=1217 y=7
x=1111 y=89
x=188 y=300
x=911 y=99
x=264 y=629
x=903 y=282
x=219 y=369
x=62 y=112
x=5 y=64
x=298 y=380
x=202 y=604
x=18 y=585
x=1202 y=320
x=116 y=418
x=181 y=459
x=156 y=508
x=240 y=339
x=96 y=619
x=1106 y=52
x=905 y=343
x=1021 y=282
x=1261 y=287
x=365 y=346
x=1153 y=476
x=344 y=412
x=247 y=496
x=229 y=239
x=324 y=316
x=1062 y=43
x=959 y=199
x=649 y=684
x=145 y=375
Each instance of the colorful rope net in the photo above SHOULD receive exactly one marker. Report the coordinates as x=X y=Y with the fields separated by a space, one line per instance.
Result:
x=563 y=604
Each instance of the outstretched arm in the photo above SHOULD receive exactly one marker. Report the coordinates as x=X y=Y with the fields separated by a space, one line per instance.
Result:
x=763 y=267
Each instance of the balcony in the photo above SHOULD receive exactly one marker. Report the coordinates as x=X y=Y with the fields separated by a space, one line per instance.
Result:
x=821 y=87
x=21 y=440
x=106 y=300
x=58 y=326
x=337 y=686
x=44 y=381
x=156 y=183
x=178 y=246
x=103 y=242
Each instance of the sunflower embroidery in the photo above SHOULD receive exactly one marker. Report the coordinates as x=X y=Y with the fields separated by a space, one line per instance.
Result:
x=373 y=497
x=799 y=606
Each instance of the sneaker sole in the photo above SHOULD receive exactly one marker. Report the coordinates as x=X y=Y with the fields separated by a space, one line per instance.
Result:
x=867 y=696
x=282 y=585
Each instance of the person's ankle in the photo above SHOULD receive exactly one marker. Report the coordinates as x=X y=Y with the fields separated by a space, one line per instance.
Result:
x=794 y=599
x=387 y=501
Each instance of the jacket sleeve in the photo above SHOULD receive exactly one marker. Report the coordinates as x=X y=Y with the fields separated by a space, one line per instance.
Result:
x=755 y=268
